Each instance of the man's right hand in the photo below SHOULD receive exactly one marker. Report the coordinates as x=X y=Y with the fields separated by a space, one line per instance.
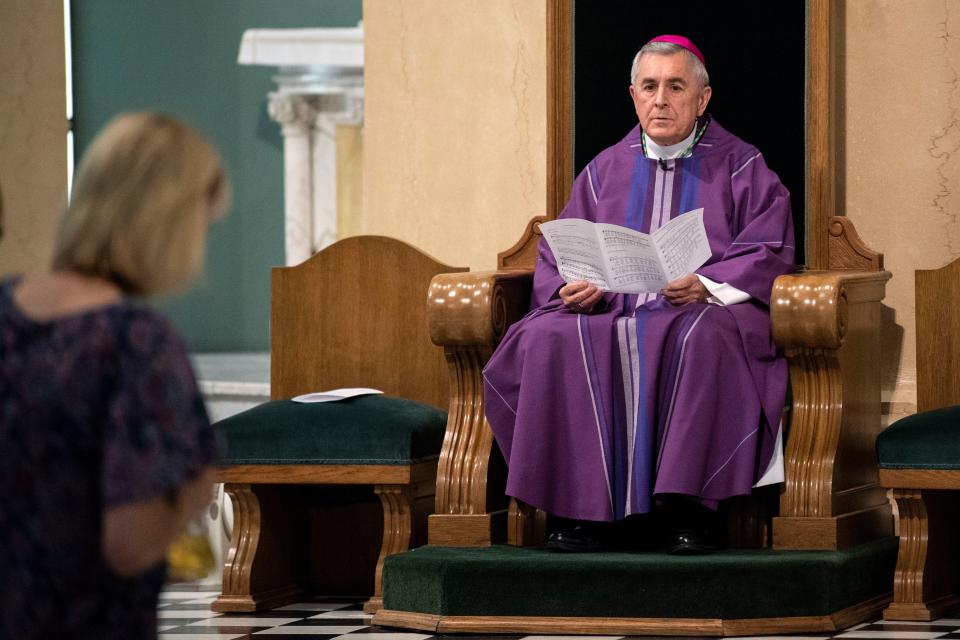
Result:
x=580 y=296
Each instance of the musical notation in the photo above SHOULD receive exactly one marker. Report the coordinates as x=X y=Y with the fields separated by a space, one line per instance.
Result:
x=617 y=258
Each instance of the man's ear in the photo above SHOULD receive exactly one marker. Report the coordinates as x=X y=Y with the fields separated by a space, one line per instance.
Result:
x=704 y=99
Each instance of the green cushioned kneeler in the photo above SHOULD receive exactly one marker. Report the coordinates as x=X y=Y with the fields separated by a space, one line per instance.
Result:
x=927 y=440
x=373 y=429
x=516 y=581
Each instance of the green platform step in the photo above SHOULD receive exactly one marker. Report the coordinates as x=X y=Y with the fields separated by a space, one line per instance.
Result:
x=513 y=581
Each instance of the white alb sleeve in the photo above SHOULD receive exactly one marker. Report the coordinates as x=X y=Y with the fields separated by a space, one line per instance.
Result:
x=722 y=293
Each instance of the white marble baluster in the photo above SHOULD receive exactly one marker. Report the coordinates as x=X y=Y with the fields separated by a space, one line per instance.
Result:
x=320 y=85
x=325 y=182
x=295 y=114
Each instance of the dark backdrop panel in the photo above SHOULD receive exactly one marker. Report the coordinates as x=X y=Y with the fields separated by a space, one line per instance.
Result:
x=755 y=56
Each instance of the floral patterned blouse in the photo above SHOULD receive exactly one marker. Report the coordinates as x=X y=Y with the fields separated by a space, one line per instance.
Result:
x=97 y=409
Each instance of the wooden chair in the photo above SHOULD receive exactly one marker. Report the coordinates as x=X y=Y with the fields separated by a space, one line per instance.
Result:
x=828 y=324
x=920 y=459
x=352 y=315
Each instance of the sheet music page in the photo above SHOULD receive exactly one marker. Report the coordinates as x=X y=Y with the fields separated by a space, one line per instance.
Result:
x=623 y=260
x=632 y=259
x=683 y=244
x=575 y=247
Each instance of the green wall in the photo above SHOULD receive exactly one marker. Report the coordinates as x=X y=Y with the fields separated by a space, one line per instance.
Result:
x=180 y=57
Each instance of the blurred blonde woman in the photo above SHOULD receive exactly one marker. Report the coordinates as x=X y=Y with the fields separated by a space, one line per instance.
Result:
x=106 y=446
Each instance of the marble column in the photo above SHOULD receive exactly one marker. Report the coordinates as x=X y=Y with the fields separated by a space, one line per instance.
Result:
x=319 y=86
x=309 y=125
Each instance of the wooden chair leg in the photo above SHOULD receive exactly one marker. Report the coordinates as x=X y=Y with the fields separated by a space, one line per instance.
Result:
x=748 y=519
x=926 y=584
x=526 y=525
x=262 y=569
x=397 y=501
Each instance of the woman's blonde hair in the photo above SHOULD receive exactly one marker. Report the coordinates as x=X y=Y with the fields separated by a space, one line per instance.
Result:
x=143 y=196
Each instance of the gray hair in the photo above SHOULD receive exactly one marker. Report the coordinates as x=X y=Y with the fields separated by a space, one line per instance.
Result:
x=667 y=49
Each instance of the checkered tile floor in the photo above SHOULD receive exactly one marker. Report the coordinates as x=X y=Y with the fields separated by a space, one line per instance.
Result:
x=184 y=614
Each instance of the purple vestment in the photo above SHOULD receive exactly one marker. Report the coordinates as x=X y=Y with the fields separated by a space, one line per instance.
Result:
x=596 y=414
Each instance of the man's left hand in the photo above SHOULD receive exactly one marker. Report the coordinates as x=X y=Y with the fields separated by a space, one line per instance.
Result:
x=685 y=290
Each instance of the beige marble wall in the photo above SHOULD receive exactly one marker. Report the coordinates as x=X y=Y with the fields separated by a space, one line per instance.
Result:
x=454 y=157
x=349 y=180
x=33 y=127
x=902 y=161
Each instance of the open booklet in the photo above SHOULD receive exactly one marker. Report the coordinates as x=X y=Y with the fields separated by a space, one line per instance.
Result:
x=335 y=394
x=622 y=260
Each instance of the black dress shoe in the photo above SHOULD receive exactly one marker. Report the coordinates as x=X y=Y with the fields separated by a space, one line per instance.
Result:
x=687 y=542
x=577 y=539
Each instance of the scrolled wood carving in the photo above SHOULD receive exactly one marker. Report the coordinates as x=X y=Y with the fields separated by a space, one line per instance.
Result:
x=469 y=313
x=912 y=555
x=397 y=501
x=847 y=251
x=814 y=432
x=243 y=546
x=809 y=316
x=465 y=455
x=523 y=254
x=926 y=582
x=476 y=308
x=812 y=313
x=809 y=310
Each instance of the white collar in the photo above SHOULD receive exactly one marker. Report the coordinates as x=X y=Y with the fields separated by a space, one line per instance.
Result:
x=666 y=153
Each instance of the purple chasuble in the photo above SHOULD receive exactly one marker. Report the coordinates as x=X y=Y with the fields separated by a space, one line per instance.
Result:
x=597 y=414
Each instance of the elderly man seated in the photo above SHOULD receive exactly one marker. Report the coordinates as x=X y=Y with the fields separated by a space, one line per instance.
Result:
x=607 y=405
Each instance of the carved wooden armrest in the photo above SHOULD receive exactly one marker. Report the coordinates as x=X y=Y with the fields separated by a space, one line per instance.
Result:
x=474 y=309
x=468 y=314
x=828 y=323
x=811 y=309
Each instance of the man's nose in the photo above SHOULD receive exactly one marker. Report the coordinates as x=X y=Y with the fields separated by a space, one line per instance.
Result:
x=660 y=98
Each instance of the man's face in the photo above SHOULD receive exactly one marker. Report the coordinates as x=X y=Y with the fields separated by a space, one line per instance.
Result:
x=667 y=97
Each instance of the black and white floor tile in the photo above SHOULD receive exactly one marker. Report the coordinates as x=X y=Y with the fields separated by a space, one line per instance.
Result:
x=184 y=614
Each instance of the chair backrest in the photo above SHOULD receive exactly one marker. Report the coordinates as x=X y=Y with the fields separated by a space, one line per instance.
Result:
x=938 y=336
x=355 y=315
x=523 y=254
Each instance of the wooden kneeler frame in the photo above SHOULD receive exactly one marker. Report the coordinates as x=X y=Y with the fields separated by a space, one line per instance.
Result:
x=927 y=580
x=350 y=316
x=257 y=574
x=926 y=585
